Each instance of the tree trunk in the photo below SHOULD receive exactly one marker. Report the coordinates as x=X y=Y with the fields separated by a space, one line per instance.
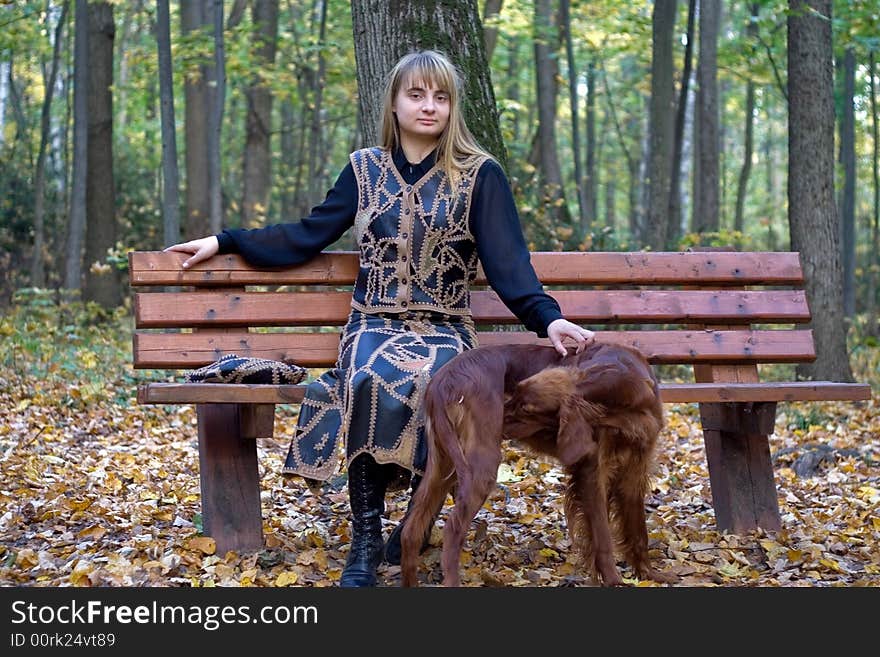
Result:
x=170 y=173
x=103 y=284
x=385 y=30
x=584 y=217
x=673 y=227
x=216 y=103
x=748 y=148
x=76 y=226
x=552 y=194
x=193 y=18
x=706 y=203
x=38 y=262
x=315 y=163
x=661 y=127
x=590 y=180
x=490 y=34
x=873 y=328
x=258 y=124
x=812 y=211
x=848 y=200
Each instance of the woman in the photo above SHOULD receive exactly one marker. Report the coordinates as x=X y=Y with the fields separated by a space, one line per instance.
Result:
x=425 y=205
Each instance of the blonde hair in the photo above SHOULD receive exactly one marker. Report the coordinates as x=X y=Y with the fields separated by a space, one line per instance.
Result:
x=457 y=148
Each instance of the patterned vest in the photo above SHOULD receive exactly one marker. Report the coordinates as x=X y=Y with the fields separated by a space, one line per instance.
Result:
x=416 y=249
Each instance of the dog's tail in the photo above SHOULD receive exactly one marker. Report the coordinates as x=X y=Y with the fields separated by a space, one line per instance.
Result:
x=442 y=432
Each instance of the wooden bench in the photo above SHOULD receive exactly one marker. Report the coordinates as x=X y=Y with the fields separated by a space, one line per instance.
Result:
x=723 y=313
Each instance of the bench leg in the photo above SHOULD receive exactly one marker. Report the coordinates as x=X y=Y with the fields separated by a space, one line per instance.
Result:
x=230 y=480
x=740 y=470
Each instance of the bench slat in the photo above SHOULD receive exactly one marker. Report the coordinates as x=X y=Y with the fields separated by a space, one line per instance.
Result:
x=187 y=350
x=197 y=309
x=600 y=268
x=195 y=393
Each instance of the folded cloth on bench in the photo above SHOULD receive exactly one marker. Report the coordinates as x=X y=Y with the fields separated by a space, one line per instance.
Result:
x=233 y=368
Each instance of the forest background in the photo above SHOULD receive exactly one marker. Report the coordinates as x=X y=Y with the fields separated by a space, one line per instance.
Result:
x=622 y=126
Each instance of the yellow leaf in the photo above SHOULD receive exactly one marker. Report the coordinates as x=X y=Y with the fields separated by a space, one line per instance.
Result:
x=203 y=544
x=286 y=578
x=23 y=404
x=795 y=555
x=95 y=532
x=548 y=552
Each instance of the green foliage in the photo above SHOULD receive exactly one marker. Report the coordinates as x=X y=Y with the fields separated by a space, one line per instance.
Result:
x=78 y=347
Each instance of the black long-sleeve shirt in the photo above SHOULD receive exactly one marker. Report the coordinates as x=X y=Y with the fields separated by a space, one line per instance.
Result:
x=493 y=221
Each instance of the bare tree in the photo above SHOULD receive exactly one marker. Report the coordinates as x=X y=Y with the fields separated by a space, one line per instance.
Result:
x=490 y=34
x=193 y=18
x=812 y=211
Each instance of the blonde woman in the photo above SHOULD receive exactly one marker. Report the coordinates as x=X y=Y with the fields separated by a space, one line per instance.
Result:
x=426 y=205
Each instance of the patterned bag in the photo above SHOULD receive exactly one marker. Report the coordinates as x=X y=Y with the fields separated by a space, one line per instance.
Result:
x=233 y=368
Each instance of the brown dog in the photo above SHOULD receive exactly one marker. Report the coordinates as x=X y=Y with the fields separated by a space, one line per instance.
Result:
x=597 y=412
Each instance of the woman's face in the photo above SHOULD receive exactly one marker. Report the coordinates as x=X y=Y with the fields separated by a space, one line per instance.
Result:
x=422 y=111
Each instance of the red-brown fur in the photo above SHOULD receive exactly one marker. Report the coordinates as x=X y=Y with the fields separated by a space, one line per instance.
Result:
x=597 y=412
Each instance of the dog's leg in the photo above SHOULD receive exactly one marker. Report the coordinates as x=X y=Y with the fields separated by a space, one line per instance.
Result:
x=627 y=493
x=479 y=434
x=427 y=501
x=589 y=488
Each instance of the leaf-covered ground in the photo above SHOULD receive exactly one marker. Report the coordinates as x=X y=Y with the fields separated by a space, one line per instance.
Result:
x=98 y=491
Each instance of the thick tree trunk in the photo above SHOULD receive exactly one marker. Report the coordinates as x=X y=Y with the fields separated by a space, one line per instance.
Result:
x=706 y=198
x=258 y=124
x=661 y=126
x=385 y=30
x=103 y=284
x=812 y=211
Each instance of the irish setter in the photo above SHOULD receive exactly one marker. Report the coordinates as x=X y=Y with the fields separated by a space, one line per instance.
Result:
x=597 y=412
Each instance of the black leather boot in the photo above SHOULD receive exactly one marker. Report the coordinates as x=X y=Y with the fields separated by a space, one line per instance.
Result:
x=392 y=545
x=366 y=492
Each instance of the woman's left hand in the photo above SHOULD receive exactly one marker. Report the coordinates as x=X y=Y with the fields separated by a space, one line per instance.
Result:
x=560 y=329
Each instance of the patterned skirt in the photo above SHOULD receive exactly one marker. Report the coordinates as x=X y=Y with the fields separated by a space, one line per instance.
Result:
x=371 y=400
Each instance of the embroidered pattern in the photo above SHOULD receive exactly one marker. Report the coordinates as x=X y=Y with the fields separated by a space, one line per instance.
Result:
x=416 y=248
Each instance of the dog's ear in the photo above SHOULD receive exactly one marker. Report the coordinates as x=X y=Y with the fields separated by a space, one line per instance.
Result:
x=575 y=440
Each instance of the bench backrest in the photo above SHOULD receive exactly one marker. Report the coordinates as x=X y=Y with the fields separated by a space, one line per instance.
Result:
x=708 y=309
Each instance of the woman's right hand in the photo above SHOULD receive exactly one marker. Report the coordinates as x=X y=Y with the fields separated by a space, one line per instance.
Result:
x=202 y=249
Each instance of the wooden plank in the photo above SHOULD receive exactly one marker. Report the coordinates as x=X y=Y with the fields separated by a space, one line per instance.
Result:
x=671 y=393
x=765 y=392
x=553 y=268
x=188 y=350
x=195 y=309
x=230 y=480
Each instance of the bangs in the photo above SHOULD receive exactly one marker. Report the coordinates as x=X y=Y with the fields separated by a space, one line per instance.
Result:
x=428 y=73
